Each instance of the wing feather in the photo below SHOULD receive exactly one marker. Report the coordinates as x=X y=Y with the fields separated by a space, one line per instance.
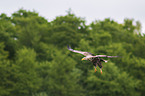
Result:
x=81 y=52
x=105 y=56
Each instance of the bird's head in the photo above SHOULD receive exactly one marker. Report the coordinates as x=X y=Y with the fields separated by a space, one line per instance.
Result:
x=84 y=58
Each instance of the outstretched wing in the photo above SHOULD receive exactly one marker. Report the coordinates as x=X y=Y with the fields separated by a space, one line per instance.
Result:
x=104 y=56
x=81 y=52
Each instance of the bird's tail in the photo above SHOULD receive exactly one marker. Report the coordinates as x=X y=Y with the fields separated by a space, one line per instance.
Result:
x=105 y=61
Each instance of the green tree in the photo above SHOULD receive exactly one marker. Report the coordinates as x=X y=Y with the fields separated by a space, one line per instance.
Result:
x=128 y=25
x=8 y=34
x=111 y=83
x=34 y=59
x=29 y=26
x=66 y=30
x=27 y=79
x=7 y=73
x=3 y=53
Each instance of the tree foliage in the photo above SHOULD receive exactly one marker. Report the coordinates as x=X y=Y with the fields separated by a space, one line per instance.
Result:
x=34 y=60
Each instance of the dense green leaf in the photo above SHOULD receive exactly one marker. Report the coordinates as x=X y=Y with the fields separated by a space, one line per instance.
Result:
x=35 y=61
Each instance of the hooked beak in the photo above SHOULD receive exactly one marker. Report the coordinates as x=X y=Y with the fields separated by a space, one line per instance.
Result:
x=83 y=59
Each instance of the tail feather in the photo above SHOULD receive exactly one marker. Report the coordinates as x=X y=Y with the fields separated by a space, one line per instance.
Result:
x=106 y=61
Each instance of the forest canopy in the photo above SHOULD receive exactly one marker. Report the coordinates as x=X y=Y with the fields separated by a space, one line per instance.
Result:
x=34 y=60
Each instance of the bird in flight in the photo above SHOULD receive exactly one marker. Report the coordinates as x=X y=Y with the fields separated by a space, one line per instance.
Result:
x=96 y=60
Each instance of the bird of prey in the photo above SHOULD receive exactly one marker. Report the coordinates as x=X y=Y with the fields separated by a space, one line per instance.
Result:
x=96 y=60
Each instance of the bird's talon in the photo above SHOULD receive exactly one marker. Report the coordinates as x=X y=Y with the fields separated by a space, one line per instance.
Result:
x=95 y=69
x=101 y=71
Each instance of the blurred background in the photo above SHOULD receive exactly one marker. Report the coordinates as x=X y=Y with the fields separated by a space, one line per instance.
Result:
x=35 y=61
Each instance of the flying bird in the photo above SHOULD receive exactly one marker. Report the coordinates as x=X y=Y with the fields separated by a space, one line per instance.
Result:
x=96 y=60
